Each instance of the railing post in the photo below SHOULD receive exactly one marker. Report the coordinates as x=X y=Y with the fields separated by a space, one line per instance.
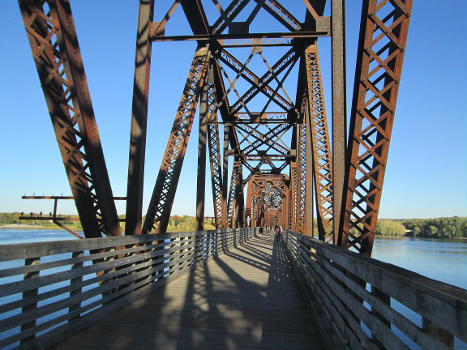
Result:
x=386 y=299
x=437 y=332
x=32 y=293
x=73 y=283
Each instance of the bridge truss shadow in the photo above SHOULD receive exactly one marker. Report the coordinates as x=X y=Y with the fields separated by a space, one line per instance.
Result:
x=245 y=298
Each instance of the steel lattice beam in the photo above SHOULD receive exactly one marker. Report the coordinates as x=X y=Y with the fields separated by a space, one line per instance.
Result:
x=382 y=41
x=257 y=132
x=218 y=193
x=235 y=187
x=321 y=142
x=266 y=192
x=158 y=214
x=301 y=178
x=139 y=116
x=54 y=45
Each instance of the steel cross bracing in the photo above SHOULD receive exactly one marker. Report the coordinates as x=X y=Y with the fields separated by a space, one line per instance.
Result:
x=158 y=215
x=246 y=94
x=266 y=194
x=54 y=45
x=383 y=35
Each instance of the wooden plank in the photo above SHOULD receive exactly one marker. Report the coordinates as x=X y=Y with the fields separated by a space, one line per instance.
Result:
x=30 y=294
x=378 y=328
x=16 y=287
x=392 y=316
x=336 y=312
x=39 y=249
x=152 y=321
x=112 y=284
x=443 y=303
x=70 y=261
x=349 y=327
x=440 y=303
x=63 y=332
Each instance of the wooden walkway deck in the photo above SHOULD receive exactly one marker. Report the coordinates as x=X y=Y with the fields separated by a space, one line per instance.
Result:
x=246 y=298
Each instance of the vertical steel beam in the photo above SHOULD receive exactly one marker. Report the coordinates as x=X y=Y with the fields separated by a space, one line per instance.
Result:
x=234 y=188
x=293 y=196
x=201 y=178
x=218 y=192
x=139 y=115
x=54 y=45
x=322 y=159
x=301 y=178
x=225 y=172
x=239 y=201
x=383 y=36
x=309 y=178
x=160 y=206
x=339 y=131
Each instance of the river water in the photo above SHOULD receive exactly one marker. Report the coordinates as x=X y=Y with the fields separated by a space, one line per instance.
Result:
x=442 y=260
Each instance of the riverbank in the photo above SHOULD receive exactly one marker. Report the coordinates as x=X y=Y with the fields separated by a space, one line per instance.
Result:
x=25 y=227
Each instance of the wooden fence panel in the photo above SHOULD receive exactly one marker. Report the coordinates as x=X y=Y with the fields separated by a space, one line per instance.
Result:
x=49 y=290
x=340 y=278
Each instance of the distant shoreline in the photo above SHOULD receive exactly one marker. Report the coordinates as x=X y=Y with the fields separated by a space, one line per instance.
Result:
x=23 y=226
x=419 y=237
x=33 y=227
x=39 y=227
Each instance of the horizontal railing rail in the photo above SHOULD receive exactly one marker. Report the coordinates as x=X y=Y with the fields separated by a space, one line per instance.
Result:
x=50 y=290
x=375 y=305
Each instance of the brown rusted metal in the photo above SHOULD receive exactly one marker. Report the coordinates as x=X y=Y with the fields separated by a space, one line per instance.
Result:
x=139 y=115
x=235 y=186
x=54 y=45
x=383 y=35
x=157 y=217
x=218 y=192
x=321 y=142
x=339 y=127
x=204 y=110
x=266 y=199
x=265 y=132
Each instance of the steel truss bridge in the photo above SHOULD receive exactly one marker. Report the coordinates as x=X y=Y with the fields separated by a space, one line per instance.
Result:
x=255 y=84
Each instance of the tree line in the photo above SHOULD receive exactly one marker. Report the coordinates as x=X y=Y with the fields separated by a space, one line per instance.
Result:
x=432 y=228
x=177 y=223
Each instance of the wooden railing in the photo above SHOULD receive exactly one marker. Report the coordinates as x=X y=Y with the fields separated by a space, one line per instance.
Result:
x=50 y=290
x=375 y=305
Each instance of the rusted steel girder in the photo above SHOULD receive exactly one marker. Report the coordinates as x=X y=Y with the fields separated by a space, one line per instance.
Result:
x=235 y=187
x=288 y=60
x=293 y=196
x=55 y=49
x=300 y=179
x=206 y=106
x=339 y=107
x=269 y=139
x=158 y=215
x=383 y=35
x=139 y=116
x=265 y=192
x=218 y=194
x=322 y=159
x=240 y=69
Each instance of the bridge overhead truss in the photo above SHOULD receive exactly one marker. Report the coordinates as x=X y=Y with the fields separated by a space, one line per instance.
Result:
x=263 y=90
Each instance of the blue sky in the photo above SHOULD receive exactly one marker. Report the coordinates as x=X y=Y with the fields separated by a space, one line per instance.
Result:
x=427 y=166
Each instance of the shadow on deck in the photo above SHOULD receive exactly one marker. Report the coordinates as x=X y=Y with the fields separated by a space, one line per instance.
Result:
x=245 y=298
